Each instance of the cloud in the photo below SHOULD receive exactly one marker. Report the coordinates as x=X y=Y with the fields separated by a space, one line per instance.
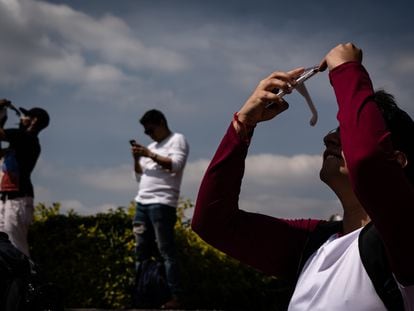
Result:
x=71 y=68
x=114 y=179
x=288 y=183
x=96 y=73
x=283 y=206
x=194 y=171
x=287 y=187
x=55 y=42
x=79 y=208
x=276 y=185
x=263 y=169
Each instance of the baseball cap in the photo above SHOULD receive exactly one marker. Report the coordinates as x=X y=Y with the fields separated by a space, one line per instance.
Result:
x=39 y=113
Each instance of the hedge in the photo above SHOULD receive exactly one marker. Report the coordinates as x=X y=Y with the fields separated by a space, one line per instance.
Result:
x=91 y=258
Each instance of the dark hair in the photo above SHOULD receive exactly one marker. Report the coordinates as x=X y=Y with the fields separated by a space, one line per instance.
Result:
x=401 y=126
x=153 y=117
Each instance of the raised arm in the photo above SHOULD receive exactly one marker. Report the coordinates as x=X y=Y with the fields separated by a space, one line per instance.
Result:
x=378 y=179
x=266 y=243
x=3 y=116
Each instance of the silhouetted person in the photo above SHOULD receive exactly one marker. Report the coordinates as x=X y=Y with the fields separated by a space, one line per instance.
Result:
x=19 y=160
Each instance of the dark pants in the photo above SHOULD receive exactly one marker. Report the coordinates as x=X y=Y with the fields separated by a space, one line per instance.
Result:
x=154 y=232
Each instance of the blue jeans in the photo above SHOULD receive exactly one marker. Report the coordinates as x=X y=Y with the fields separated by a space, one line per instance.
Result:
x=154 y=233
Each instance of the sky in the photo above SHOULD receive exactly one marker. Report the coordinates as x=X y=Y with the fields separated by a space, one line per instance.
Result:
x=96 y=66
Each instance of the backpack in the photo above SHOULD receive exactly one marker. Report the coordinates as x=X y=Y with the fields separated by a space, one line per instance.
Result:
x=151 y=288
x=373 y=257
x=21 y=287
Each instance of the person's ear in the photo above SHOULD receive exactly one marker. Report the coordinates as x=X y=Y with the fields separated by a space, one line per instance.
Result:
x=401 y=158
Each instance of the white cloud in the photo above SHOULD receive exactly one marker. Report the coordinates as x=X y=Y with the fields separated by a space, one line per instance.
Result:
x=276 y=185
x=286 y=186
x=291 y=207
x=195 y=170
x=79 y=208
x=273 y=184
x=75 y=205
x=55 y=42
x=263 y=169
x=114 y=179
x=93 y=72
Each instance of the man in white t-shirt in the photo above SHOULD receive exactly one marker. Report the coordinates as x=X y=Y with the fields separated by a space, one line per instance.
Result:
x=159 y=169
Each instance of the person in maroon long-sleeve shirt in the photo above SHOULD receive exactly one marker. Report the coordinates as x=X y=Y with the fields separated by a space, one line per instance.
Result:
x=367 y=163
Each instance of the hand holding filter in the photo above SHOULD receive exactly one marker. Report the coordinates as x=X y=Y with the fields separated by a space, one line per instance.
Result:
x=300 y=87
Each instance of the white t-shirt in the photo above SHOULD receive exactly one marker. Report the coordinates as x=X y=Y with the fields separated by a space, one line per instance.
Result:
x=334 y=278
x=159 y=185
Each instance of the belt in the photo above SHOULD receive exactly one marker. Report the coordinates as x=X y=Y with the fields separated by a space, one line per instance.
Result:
x=4 y=196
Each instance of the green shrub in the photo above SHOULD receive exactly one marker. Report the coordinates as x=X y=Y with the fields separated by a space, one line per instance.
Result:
x=92 y=259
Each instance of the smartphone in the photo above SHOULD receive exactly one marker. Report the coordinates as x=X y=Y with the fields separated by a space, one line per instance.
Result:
x=133 y=142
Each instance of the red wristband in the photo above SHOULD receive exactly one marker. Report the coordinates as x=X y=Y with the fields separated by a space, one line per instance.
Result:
x=246 y=129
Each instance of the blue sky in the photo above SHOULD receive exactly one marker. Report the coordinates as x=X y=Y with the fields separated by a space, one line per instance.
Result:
x=98 y=65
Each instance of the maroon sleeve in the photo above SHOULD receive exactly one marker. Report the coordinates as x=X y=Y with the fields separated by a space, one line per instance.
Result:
x=269 y=244
x=378 y=181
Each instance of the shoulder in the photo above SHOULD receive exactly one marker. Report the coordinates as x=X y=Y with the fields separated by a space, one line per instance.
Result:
x=178 y=137
x=13 y=133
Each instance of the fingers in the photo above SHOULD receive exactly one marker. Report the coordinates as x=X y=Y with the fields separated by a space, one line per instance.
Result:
x=287 y=77
x=139 y=150
x=134 y=150
x=340 y=54
x=323 y=65
x=280 y=80
x=267 y=90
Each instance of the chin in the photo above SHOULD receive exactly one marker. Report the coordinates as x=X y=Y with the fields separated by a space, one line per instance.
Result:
x=323 y=176
x=23 y=126
x=326 y=172
x=330 y=176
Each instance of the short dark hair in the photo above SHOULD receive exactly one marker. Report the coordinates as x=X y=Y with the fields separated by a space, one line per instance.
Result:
x=401 y=127
x=153 y=116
